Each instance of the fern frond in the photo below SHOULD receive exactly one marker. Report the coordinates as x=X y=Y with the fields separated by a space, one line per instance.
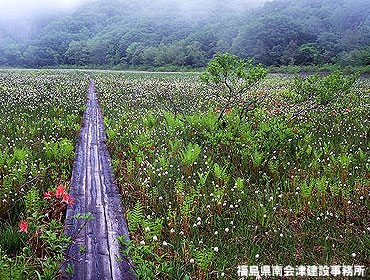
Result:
x=32 y=201
x=135 y=217
x=203 y=258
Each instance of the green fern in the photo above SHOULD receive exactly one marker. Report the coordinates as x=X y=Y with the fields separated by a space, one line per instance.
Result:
x=150 y=121
x=309 y=150
x=257 y=158
x=326 y=169
x=130 y=166
x=139 y=157
x=361 y=154
x=334 y=189
x=165 y=162
x=20 y=154
x=345 y=160
x=142 y=139
x=52 y=150
x=203 y=258
x=321 y=185
x=135 y=217
x=190 y=154
x=32 y=201
x=239 y=184
x=153 y=227
x=219 y=195
x=315 y=163
x=66 y=149
x=58 y=151
x=346 y=192
x=172 y=123
x=195 y=190
x=179 y=188
x=174 y=145
x=152 y=192
x=111 y=134
x=203 y=178
x=187 y=207
x=217 y=170
x=221 y=173
x=134 y=148
x=3 y=157
x=307 y=189
x=208 y=121
x=273 y=166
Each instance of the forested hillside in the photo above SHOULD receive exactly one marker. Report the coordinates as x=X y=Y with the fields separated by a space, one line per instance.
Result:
x=144 y=33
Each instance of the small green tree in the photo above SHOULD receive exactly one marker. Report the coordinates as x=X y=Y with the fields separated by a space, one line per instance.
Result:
x=316 y=91
x=234 y=77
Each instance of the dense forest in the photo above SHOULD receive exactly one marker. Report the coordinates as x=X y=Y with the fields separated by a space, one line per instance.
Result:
x=143 y=34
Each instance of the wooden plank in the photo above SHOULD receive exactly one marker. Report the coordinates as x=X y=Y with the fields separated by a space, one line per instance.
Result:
x=94 y=190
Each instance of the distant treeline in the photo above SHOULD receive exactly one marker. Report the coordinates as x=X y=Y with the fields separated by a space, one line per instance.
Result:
x=120 y=34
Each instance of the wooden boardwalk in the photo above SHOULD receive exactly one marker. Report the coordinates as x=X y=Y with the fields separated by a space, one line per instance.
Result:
x=94 y=191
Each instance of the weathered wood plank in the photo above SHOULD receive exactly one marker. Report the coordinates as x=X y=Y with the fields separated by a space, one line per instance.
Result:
x=94 y=190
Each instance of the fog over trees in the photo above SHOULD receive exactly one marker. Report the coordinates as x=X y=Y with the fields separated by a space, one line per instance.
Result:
x=143 y=34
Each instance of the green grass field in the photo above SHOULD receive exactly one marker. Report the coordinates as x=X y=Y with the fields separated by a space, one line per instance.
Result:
x=201 y=196
x=40 y=116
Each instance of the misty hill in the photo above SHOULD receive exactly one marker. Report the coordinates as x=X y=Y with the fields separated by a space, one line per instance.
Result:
x=157 y=33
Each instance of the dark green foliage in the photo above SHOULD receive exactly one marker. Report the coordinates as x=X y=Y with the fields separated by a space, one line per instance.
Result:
x=10 y=240
x=148 y=35
x=323 y=90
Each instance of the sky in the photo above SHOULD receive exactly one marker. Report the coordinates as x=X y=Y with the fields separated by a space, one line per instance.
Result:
x=14 y=9
x=32 y=4
x=17 y=17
